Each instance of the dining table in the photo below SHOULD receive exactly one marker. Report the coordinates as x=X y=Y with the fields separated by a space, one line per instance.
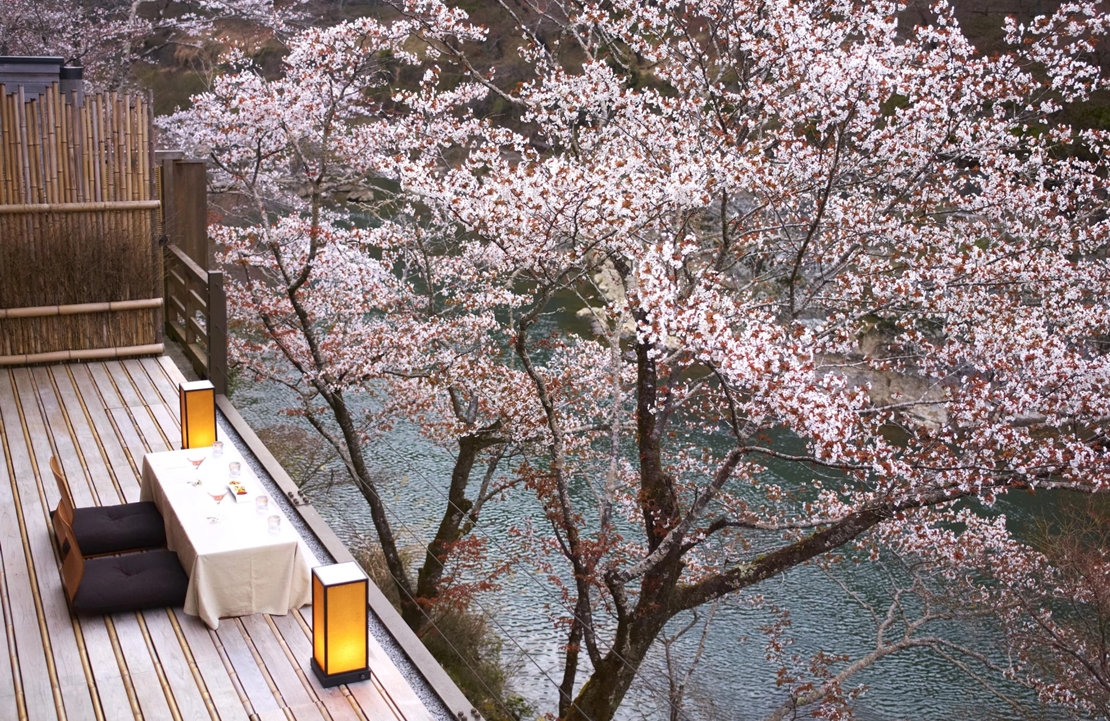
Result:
x=240 y=558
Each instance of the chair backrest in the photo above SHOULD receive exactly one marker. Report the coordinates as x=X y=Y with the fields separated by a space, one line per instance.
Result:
x=65 y=501
x=73 y=563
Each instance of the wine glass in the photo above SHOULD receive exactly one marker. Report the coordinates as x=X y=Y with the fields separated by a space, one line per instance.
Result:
x=217 y=492
x=196 y=458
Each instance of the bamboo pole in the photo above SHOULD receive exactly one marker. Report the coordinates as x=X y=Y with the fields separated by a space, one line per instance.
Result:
x=6 y=133
x=79 y=308
x=21 y=120
x=64 y=356
x=50 y=147
x=5 y=183
x=119 y=205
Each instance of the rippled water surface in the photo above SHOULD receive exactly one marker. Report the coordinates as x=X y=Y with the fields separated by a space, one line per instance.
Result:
x=733 y=679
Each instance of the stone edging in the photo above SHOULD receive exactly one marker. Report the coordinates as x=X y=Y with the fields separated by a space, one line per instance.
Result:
x=421 y=658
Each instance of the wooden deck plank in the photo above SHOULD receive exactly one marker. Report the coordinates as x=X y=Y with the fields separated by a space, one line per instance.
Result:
x=140 y=667
x=126 y=391
x=175 y=665
x=143 y=385
x=11 y=694
x=333 y=699
x=119 y=398
x=93 y=430
x=221 y=689
x=7 y=680
x=102 y=380
x=170 y=431
x=307 y=712
x=77 y=452
x=165 y=384
x=109 y=677
x=101 y=445
x=68 y=669
x=130 y=439
x=45 y=422
x=30 y=646
x=77 y=446
x=172 y=372
x=250 y=676
x=147 y=427
x=133 y=391
x=394 y=685
x=283 y=674
x=38 y=696
x=78 y=702
x=129 y=431
x=101 y=407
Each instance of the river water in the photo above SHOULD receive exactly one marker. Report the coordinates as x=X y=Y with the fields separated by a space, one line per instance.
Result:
x=733 y=680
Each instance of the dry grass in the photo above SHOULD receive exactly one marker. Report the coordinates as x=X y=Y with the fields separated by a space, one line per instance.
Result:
x=74 y=262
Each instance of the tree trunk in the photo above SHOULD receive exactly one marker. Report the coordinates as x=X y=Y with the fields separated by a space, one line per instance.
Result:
x=388 y=543
x=601 y=696
x=603 y=692
x=458 y=505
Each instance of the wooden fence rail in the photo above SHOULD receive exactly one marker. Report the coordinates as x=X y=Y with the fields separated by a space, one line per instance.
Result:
x=196 y=314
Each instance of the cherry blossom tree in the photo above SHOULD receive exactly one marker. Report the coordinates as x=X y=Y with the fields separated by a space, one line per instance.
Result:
x=332 y=311
x=805 y=239
x=1054 y=605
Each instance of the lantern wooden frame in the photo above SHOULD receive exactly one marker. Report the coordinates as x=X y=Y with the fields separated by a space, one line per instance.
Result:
x=339 y=602
x=198 y=414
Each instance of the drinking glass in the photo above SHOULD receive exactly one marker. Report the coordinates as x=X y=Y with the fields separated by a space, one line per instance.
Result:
x=261 y=504
x=196 y=457
x=234 y=470
x=217 y=449
x=274 y=524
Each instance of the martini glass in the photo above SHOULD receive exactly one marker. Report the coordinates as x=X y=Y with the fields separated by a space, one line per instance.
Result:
x=196 y=457
x=217 y=492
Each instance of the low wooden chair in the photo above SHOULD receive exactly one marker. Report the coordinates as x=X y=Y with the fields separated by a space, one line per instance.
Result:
x=100 y=530
x=110 y=584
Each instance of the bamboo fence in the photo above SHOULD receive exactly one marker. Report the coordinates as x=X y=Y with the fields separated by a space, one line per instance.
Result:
x=78 y=208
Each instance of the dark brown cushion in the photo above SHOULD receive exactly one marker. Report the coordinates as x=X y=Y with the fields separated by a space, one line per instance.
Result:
x=131 y=582
x=112 y=529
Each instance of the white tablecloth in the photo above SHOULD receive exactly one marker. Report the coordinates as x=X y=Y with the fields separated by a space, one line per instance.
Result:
x=236 y=566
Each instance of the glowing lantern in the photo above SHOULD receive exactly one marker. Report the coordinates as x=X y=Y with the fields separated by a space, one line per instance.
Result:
x=339 y=636
x=198 y=414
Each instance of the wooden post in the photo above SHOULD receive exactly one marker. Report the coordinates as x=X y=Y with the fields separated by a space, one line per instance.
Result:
x=217 y=331
x=191 y=202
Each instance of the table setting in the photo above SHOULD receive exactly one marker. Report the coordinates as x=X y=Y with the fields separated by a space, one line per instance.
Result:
x=240 y=552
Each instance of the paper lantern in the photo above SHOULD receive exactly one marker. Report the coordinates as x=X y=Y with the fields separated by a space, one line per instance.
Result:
x=198 y=414
x=340 y=649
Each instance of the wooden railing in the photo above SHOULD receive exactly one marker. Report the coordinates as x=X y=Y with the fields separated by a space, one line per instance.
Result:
x=196 y=314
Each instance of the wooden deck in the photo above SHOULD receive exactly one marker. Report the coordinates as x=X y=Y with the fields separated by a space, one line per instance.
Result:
x=162 y=665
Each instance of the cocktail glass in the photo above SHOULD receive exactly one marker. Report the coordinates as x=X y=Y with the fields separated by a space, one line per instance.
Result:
x=196 y=457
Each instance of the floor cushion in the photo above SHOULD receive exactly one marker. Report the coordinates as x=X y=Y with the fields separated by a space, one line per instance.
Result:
x=131 y=582
x=112 y=529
